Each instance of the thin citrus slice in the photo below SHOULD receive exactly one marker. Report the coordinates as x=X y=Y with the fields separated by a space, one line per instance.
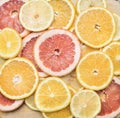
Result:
x=8 y=104
x=18 y=79
x=2 y=61
x=27 y=50
x=36 y=15
x=10 y=43
x=52 y=95
x=64 y=13
x=95 y=27
x=110 y=100
x=95 y=70
x=113 y=51
x=9 y=16
x=82 y=5
x=64 y=113
x=85 y=104
x=117 y=34
x=57 y=52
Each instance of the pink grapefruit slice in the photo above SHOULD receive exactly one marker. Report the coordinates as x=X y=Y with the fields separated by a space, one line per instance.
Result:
x=27 y=50
x=57 y=52
x=9 y=105
x=110 y=100
x=9 y=15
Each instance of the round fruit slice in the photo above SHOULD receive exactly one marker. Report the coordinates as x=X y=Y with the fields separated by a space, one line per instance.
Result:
x=85 y=104
x=10 y=43
x=113 y=51
x=36 y=15
x=95 y=27
x=9 y=105
x=110 y=100
x=52 y=95
x=27 y=50
x=64 y=12
x=64 y=113
x=18 y=79
x=82 y=5
x=9 y=15
x=95 y=71
x=57 y=52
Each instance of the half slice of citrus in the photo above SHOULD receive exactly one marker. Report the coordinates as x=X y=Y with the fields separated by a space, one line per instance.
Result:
x=95 y=71
x=52 y=95
x=10 y=43
x=36 y=15
x=18 y=78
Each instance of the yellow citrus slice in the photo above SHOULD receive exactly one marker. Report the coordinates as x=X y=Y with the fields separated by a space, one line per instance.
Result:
x=64 y=12
x=18 y=78
x=95 y=70
x=117 y=34
x=52 y=95
x=82 y=5
x=95 y=27
x=2 y=61
x=64 y=113
x=36 y=15
x=85 y=104
x=113 y=51
x=10 y=43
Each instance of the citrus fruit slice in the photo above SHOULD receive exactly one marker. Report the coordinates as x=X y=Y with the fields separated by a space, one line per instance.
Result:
x=57 y=52
x=18 y=79
x=27 y=50
x=85 y=104
x=110 y=100
x=8 y=104
x=117 y=34
x=99 y=69
x=10 y=43
x=113 y=51
x=36 y=15
x=82 y=5
x=64 y=13
x=64 y=113
x=52 y=94
x=9 y=16
x=95 y=27
x=2 y=61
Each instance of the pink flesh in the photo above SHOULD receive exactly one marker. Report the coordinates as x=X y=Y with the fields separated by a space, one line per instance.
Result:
x=57 y=52
x=8 y=20
x=27 y=52
x=112 y=100
x=5 y=101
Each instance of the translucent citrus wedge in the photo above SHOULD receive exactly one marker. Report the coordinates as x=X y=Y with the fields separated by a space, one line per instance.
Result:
x=95 y=71
x=85 y=104
x=82 y=5
x=95 y=27
x=36 y=15
x=10 y=43
x=52 y=95
x=113 y=51
x=64 y=113
x=18 y=79
x=64 y=12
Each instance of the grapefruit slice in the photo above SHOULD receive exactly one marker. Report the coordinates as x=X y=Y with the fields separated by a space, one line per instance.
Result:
x=9 y=15
x=27 y=50
x=110 y=99
x=57 y=52
x=9 y=105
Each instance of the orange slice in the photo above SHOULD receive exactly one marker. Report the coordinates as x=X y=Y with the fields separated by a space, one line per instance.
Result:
x=10 y=43
x=113 y=51
x=95 y=71
x=95 y=27
x=52 y=95
x=18 y=79
x=64 y=13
